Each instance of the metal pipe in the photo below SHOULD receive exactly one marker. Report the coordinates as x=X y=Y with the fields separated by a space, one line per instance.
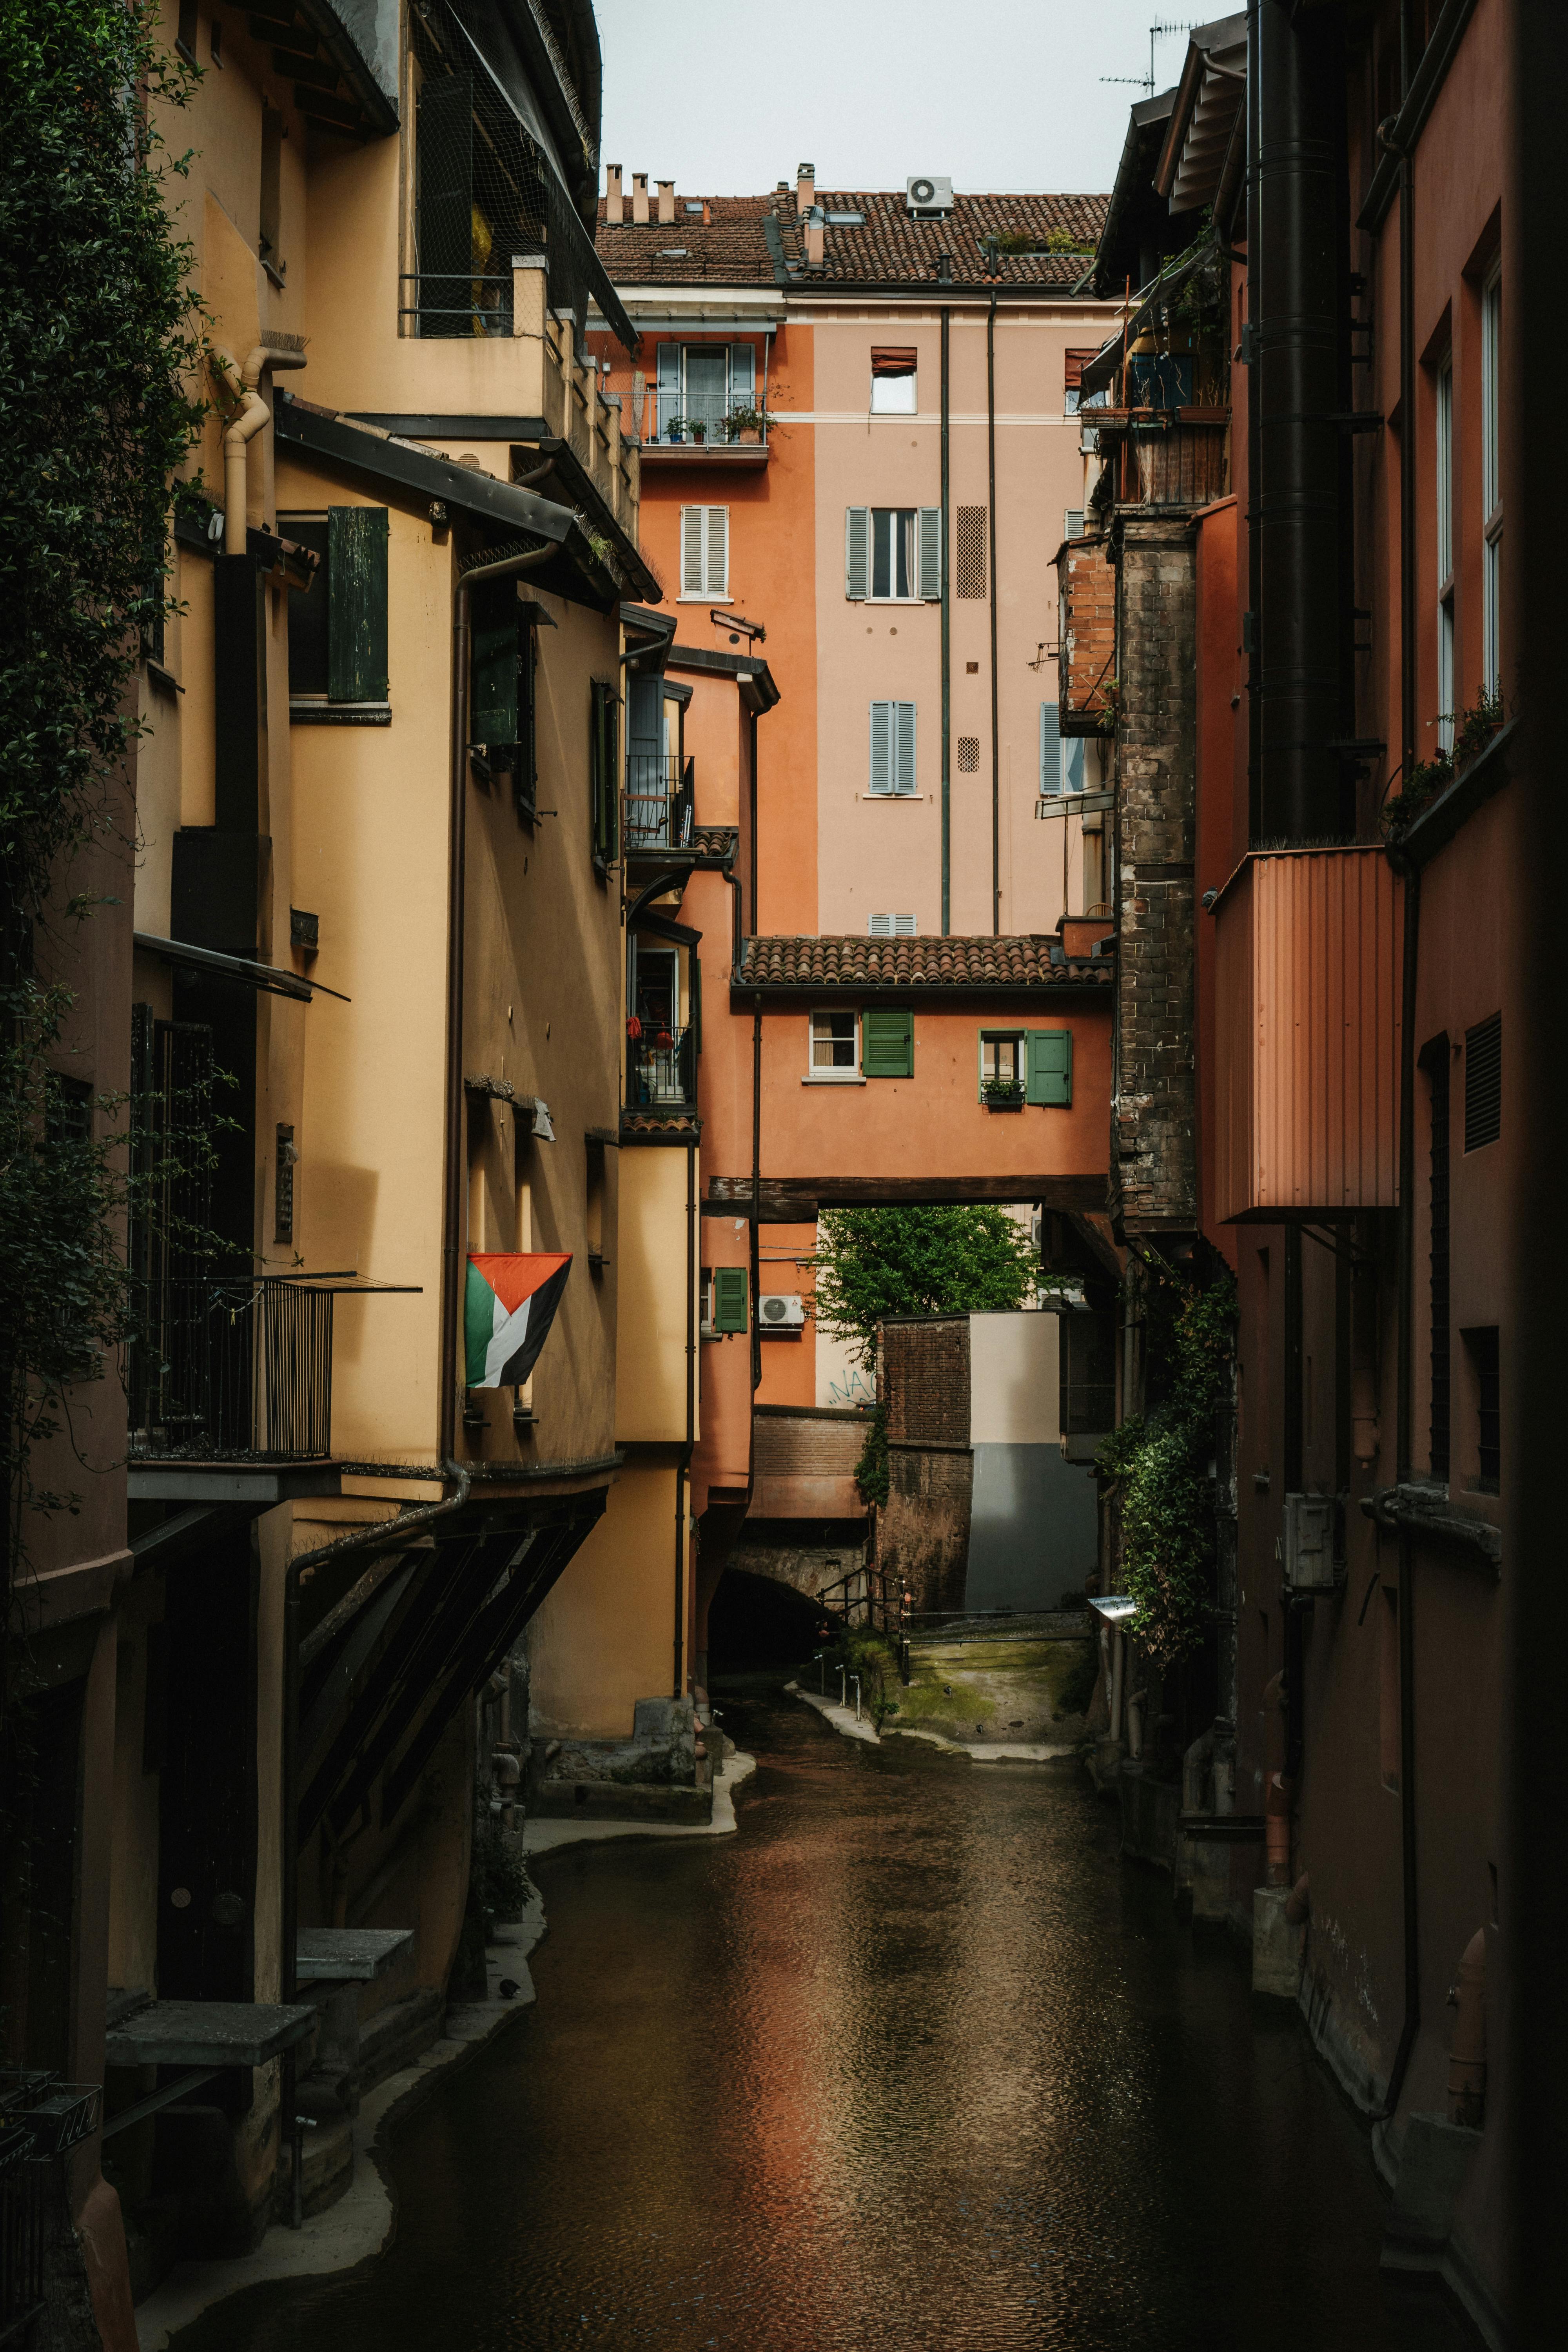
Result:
x=240 y=383
x=1251 y=618
x=756 y=1339
x=991 y=573
x=684 y=1466
x=946 y=643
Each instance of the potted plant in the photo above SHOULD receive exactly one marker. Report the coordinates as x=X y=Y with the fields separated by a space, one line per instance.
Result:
x=675 y=428
x=698 y=431
x=1003 y=1094
x=746 y=425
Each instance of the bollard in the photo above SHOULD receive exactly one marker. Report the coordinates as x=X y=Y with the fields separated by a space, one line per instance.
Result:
x=856 y=1680
x=296 y=2212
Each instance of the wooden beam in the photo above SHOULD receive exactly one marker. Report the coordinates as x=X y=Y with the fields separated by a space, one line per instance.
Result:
x=795 y=1200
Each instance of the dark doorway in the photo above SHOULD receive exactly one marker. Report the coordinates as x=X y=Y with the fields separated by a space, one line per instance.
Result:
x=754 y=1622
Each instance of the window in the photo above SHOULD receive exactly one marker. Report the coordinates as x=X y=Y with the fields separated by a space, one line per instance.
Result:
x=1061 y=756
x=502 y=697
x=595 y=1190
x=887 y=1042
x=1003 y=1053
x=834 y=1045
x=337 y=630
x=1483 y=1083
x=1444 y=455
x=270 y=208
x=890 y=927
x=892 y=749
x=1435 y=1060
x=892 y=554
x=969 y=755
x=603 y=772
x=1481 y=1347
x=186 y=36
x=1072 y=389
x=969 y=545
x=1491 y=483
x=1389 y=1713
x=701 y=386
x=67 y=1118
x=1087 y=1372
x=893 y=383
x=1072 y=523
x=704 y=552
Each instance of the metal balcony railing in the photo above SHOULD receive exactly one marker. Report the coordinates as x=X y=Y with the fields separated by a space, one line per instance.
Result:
x=233 y=1367
x=658 y=801
x=701 y=420
x=661 y=1069
x=447 y=302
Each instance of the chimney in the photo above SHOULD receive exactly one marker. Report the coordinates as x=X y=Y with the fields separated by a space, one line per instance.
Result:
x=639 y=197
x=666 y=203
x=612 y=192
x=804 y=186
x=813 y=224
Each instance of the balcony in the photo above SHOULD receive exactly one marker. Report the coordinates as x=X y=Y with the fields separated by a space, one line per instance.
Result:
x=656 y=805
x=708 y=428
x=1177 y=457
x=234 y=1369
x=661 y=1069
x=1307 y=954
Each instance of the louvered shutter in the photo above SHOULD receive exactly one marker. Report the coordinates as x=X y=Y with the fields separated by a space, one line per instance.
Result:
x=493 y=715
x=887 y=1042
x=356 y=611
x=1050 y=1068
x=716 y=570
x=669 y=386
x=691 y=550
x=1074 y=520
x=1050 y=748
x=742 y=375
x=857 y=552
x=904 y=748
x=930 y=586
x=881 y=747
x=729 y=1283
x=879 y=927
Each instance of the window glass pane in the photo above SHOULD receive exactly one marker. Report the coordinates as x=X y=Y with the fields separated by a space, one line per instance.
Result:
x=832 y=1041
x=881 y=551
x=893 y=396
x=1000 y=1061
x=904 y=536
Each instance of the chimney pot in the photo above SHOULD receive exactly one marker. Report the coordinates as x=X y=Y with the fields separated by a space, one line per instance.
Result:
x=666 y=202
x=814 y=228
x=805 y=187
x=613 y=201
x=640 y=196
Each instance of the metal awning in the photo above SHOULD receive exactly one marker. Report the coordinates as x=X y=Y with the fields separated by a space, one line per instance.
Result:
x=265 y=976
x=1114 y=1607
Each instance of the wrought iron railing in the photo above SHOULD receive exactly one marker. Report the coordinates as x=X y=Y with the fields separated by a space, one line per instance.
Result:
x=658 y=801
x=661 y=1069
x=701 y=420
x=231 y=1367
x=875 y=1599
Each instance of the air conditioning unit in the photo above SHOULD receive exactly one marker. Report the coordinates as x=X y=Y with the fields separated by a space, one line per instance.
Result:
x=780 y=1311
x=927 y=193
x=1307 y=1543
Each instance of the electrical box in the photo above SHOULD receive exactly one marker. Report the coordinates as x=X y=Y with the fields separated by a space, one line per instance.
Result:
x=1309 y=1543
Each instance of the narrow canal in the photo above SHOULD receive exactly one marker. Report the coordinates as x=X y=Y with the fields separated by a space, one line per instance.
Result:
x=914 y=2059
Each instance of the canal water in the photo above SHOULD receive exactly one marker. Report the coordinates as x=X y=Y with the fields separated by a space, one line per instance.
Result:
x=914 y=2059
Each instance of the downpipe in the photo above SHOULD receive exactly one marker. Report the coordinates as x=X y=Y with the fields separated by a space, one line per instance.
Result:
x=240 y=383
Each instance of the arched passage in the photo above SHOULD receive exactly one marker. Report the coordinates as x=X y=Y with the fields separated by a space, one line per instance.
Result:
x=759 y=1621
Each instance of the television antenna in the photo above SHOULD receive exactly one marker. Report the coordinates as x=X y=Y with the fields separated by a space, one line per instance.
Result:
x=1146 y=82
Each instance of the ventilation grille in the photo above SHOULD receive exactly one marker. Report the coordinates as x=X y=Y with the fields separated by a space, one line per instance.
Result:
x=969 y=551
x=890 y=927
x=1483 y=1083
x=968 y=753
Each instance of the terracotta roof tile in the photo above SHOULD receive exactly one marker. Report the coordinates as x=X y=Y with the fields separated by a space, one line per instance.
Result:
x=857 y=964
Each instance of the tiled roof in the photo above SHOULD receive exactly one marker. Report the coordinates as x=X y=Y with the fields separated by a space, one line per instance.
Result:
x=715 y=840
x=890 y=247
x=862 y=963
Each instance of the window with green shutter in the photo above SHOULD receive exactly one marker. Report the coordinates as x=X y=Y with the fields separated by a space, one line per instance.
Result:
x=357 y=604
x=887 y=1042
x=730 y=1297
x=604 y=772
x=1050 y=1068
x=500 y=703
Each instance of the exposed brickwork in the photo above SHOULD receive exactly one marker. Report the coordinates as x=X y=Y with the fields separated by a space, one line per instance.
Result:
x=923 y=1532
x=922 y=1379
x=1086 y=589
x=804 y=1446
x=1153 y=1163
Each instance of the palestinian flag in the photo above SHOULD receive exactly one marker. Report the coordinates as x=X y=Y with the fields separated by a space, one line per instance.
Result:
x=509 y=1307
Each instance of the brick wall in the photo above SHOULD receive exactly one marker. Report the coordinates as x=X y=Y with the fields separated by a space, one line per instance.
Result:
x=1154 y=1162
x=923 y=1532
x=922 y=1377
x=1085 y=588
x=803 y=1464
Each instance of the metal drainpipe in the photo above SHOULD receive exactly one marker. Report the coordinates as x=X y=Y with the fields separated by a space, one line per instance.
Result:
x=751 y=813
x=1254 y=612
x=756 y=1250
x=946 y=643
x=457 y=855
x=684 y=1466
x=991 y=512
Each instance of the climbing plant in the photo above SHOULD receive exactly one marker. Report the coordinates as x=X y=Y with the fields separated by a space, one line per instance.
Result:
x=931 y=1261
x=1162 y=1463
x=99 y=341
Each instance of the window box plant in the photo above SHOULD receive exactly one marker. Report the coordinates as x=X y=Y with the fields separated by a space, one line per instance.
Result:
x=1003 y=1094
x=746 y=425
x=675 y=428
x=698 y=431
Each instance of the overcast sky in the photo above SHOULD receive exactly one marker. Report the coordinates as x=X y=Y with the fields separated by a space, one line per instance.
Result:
x=728 y=97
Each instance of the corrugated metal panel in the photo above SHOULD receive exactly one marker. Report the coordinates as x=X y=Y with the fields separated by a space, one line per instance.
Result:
x=1307 y=1040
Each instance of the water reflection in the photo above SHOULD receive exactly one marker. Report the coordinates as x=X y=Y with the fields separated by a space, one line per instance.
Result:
x=913 y=2061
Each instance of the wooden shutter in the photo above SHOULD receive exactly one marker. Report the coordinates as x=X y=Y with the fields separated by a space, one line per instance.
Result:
x=930 y=575
x=881 y=747
x=603 y=772
x=493 y=711
x=716 y=565
x=691 y=550
x=742 y=375
x=887 y=1042
x=356 y=617
x=904 y=747
x=856 y=553
x=1049 y=1079
x=730 y=1284
x=668 y=385
x=1050 y=748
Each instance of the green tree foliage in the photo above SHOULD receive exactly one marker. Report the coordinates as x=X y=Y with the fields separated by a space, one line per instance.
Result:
x=1162 y=1463
x=871 y=1263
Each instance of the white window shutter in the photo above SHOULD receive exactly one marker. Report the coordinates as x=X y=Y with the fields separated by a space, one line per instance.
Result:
x=904 y=773
x=879 y=927
x=857 y=552
x=1050 y=748
x=668 y=385
x=930 y=586
x=742 y=375
x=691 y=550
x=881 y=747
x=903 y=926
x=717 y=580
